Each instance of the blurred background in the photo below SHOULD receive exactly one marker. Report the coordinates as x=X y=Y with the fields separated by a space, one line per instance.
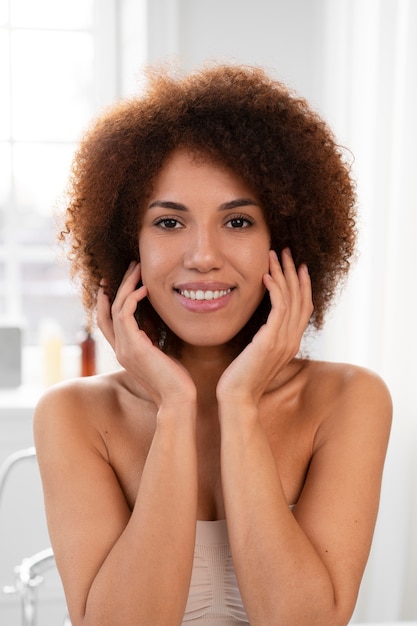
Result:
x=62 y=61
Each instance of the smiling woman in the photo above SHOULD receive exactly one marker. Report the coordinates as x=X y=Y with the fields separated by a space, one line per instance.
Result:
x=217 y=478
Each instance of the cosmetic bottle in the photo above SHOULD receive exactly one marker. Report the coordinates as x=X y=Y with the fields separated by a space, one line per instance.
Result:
x=88 y=353
x=51 y=346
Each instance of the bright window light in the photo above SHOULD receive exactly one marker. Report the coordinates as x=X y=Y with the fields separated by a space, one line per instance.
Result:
x=53 y=57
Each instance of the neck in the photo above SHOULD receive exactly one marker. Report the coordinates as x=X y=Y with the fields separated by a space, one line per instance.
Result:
x=207 y=358
x=206 y=365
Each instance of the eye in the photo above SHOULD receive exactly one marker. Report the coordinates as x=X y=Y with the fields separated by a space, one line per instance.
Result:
x=239 y=221
x=168 y=223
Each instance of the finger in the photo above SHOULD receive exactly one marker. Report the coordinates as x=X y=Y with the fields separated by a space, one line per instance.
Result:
x=127 y=309
x=276 y=269
x=299 y=285
x=286 y=277
x=128 y=284
x=291 y=275
x=307 y=305
x=290 y=293
x=279 y=291
x=127 y=298
x=104 y=319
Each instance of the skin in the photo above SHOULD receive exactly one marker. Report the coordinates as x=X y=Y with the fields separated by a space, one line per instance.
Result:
x=131 y=460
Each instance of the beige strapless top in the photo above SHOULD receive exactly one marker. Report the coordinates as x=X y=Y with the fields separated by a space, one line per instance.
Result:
x=214 y=598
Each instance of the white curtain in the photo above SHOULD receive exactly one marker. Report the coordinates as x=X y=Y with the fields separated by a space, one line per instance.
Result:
x=371 y=102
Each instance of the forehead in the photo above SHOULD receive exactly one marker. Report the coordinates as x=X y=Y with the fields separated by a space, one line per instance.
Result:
x=186 y=171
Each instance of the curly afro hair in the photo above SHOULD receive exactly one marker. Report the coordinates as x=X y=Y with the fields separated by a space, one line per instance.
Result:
x=241 y=118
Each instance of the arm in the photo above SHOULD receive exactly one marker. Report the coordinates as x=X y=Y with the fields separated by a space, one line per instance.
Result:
x=120 y=566
x=302 y=568
x=306 y=568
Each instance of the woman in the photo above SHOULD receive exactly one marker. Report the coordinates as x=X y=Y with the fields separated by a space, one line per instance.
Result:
x=218 y=477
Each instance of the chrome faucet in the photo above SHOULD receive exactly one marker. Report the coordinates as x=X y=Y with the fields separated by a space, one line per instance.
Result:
x=28 y=575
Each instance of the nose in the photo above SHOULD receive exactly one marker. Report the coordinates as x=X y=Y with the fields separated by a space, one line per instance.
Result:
x=203 y=251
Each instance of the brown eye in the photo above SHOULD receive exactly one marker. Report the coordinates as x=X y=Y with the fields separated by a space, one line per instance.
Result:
x=168 y=223
x=239 y=222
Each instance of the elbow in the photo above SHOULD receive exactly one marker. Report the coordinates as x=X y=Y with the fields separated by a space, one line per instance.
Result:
x=331 y=613
x=319 y=608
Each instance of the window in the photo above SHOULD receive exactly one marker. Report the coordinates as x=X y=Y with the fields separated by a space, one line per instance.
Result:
x=57 y=68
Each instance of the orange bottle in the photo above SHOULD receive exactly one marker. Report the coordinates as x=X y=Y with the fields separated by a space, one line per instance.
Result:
x=88 y=354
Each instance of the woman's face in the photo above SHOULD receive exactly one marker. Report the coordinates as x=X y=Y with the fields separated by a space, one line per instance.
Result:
x=203 y=247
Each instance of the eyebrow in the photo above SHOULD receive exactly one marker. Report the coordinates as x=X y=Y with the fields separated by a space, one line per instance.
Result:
x=226 y=206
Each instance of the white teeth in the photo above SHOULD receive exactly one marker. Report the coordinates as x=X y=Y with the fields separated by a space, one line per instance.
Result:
x=199 y=294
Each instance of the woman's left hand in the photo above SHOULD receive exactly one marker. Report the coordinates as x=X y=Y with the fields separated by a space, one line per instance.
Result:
x=278 y=341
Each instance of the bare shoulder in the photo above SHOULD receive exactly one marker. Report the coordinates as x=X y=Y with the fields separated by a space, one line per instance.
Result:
x=83 y=407
x=350 y=396
x=344 y=377
x=68 y=415
x=76 y=396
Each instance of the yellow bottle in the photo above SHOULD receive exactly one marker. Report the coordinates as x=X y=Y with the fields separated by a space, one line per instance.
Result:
x=51 y=345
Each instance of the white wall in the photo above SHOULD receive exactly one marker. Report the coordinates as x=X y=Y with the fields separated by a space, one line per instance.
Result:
x=285 y=37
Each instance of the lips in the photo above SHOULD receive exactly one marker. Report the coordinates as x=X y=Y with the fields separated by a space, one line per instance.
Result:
x=204 y=297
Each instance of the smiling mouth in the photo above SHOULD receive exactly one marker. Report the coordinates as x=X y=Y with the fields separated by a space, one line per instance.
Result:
x=200 y=294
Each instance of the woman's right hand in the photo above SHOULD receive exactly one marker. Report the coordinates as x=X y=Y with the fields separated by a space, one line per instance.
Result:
x=163 y=377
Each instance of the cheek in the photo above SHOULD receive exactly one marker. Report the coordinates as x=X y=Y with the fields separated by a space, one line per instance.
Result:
x=150 y=261
x=258 y=260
